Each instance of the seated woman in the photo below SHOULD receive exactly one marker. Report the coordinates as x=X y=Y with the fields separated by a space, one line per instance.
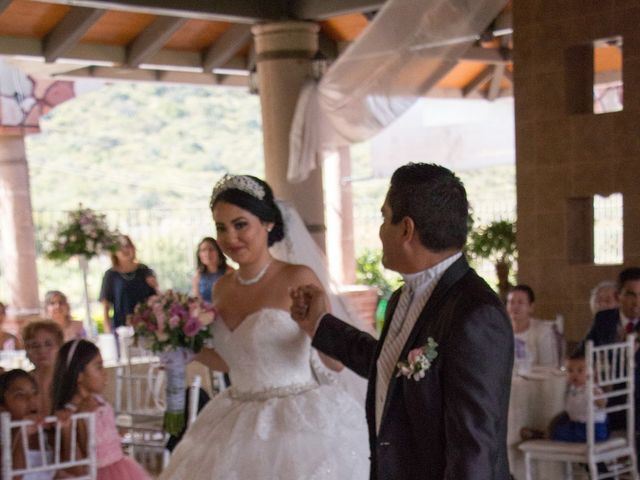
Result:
x=8 y=341
x=43 y=339
x=56 y=308
x=535 y=340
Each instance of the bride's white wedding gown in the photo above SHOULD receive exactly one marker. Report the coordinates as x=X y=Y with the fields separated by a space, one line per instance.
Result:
x=275 y=422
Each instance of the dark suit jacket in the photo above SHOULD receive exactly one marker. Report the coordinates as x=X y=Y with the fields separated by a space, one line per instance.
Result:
x=451 y=424
x=604 y=329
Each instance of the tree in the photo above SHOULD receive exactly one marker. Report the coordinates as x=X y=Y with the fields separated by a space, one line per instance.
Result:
x=496 y=242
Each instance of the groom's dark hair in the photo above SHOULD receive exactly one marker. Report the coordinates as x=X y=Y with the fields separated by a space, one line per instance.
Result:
x=435 y=199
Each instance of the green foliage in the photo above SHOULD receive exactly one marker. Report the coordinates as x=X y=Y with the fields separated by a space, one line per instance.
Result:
x=495 y=242
x=369 y=271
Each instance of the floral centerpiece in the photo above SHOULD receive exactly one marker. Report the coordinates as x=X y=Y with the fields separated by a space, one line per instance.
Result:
x=175 y=326
x=86 y=233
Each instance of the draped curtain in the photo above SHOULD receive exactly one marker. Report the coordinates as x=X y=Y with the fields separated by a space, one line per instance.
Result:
x=404 y=52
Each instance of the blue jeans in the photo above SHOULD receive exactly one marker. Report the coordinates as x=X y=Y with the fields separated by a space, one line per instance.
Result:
x=577 y=431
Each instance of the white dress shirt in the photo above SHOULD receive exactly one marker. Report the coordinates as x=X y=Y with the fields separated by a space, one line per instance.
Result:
x=422 y=285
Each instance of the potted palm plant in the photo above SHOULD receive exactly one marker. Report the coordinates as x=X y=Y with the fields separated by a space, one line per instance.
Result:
x=496 y=242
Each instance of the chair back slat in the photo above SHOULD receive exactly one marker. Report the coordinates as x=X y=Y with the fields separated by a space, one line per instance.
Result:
x=50 y=460
x=140 y=393
x=611 y=369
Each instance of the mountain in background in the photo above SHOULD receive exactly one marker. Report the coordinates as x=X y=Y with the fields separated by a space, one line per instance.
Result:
x=143 y=146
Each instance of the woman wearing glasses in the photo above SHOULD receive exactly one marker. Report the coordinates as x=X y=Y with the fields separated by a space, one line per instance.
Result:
x=42 y=340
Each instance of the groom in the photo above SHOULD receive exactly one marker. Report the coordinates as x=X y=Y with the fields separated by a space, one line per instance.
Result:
x=439 y=377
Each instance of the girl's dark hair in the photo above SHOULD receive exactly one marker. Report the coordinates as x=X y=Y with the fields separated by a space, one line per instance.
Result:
x=222 y=260
x=65 y=375
x=7 y=379
x=265 y=209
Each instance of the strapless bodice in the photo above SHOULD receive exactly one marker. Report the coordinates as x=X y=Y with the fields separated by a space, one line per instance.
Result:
x=267 y=353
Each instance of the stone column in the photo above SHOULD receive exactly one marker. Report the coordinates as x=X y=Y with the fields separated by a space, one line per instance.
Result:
x=17 y=239
x=283 y=56
x=339 y=201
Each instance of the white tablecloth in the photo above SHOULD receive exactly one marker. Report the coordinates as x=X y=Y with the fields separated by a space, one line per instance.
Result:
x=536 y=398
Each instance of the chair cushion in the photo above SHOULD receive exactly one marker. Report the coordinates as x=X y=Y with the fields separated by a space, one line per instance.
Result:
x=552 y=446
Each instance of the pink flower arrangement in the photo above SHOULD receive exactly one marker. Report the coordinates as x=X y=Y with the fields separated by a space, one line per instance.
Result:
x=172 y=320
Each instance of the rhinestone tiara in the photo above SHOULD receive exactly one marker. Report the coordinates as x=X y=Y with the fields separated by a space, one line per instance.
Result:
x=238 y=182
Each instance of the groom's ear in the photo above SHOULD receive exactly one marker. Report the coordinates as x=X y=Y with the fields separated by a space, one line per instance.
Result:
x=408 y=228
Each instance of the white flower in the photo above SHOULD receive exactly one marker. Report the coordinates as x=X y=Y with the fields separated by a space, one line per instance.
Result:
x=419 y=360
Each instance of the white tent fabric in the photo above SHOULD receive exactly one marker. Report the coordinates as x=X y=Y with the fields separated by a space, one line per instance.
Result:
x=405 y=51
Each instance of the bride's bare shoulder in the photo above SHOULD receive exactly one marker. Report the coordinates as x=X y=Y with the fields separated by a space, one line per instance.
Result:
x=299 y=274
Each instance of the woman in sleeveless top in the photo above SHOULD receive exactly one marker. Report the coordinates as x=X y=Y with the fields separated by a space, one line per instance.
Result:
x=211 y=266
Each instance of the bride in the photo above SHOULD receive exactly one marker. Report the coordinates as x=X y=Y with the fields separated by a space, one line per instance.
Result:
x=277 y=421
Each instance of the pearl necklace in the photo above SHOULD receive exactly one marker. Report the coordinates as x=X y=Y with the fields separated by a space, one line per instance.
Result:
x=253 y=280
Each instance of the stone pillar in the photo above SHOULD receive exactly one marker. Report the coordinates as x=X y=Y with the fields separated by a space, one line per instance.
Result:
x=17 y=238
x=339 y=201
x=283 y=55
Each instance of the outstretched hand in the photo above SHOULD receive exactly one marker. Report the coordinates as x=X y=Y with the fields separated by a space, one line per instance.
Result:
x=308 y=304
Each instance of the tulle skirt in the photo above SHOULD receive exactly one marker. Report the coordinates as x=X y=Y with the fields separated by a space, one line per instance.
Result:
x=124 y=469
x=317 y=434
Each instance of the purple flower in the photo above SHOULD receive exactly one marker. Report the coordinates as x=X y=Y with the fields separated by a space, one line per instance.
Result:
x=178 y=310
x=191 y=327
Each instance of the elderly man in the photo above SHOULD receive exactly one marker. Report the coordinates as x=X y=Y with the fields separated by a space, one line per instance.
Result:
x=440 y=375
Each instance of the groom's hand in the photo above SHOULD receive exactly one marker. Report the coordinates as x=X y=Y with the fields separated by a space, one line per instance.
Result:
x=308 y=305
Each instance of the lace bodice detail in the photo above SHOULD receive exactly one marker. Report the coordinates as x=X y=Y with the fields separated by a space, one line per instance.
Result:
x=267 y=352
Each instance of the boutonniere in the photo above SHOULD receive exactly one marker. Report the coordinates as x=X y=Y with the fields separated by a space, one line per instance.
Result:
x=418 y=361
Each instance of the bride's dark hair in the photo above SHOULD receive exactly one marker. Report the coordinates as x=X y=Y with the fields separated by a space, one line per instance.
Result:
x=265 y=209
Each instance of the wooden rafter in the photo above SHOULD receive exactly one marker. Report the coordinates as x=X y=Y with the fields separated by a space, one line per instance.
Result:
x=477 y=83
x=229 y=44
x=69 y=31
x=152 y=39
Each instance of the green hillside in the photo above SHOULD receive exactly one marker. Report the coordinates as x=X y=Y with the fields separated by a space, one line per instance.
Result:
x=143 y=146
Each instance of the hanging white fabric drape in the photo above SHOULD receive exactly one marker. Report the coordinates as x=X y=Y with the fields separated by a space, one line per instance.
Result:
x=405 y=51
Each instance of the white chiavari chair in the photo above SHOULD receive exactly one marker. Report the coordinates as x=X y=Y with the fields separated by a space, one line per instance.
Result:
x=48 y=456
x=612 y=368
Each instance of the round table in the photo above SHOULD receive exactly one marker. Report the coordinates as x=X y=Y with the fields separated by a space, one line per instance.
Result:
x=536 y=397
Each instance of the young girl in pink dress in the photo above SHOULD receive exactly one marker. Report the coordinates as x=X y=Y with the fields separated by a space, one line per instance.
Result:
x=78 y=380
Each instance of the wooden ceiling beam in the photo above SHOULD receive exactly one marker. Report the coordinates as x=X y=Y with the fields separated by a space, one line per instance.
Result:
x=245 y=11
x=477 y=83
x=152 y=39
x=229 y=43
x=494 y=56
x=324 y=9
x=140 y=75
x=110 y=55
x=495 y=83
x=68 y=32
x=4 y=4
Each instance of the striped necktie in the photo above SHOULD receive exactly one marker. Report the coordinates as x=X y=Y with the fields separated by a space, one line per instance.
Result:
x=400 y=313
